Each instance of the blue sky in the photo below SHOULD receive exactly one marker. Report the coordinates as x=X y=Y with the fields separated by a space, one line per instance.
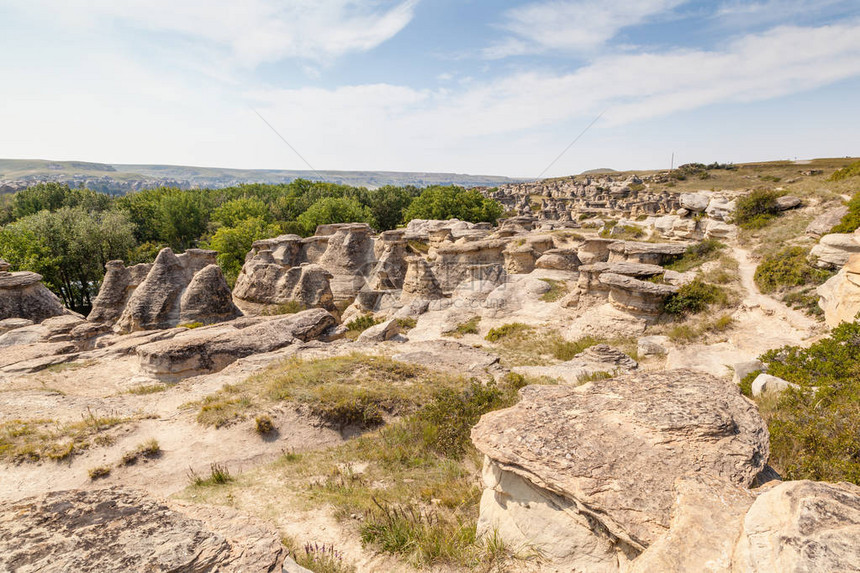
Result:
x=475 y=86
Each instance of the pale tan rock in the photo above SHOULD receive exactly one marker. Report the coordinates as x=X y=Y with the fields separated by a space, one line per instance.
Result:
x=22 y=295
x=801 y=526
x=635 y=295
x=119 y=530
x=420 y=282
x=840 y=295
x=350 y=259
x=834 y=250
x=207 y=298
x=613 y=449
x=645 y=253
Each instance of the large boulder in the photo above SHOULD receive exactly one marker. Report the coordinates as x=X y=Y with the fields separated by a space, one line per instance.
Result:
x=266 y=281
x=823 y=223
x=22 y=295
x=645 y=253
x=207 y=299
x=420 y=282
x=840 y=295
x=117 y=530
x=600 y=359
x=349 y=257
x=721 y=208
x=801 y=526
x=695 y=202
x=634 y=295
x=586 y=474
x=210 y=350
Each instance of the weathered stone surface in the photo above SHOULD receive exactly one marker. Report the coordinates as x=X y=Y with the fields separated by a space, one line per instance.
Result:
x=558 y=260
x=380 y=332
x=695 y=202
x=349 y=258
x=787 y=202
x=744 y=369
x=833 y=251
x=266 y=282
x=652 y=346
x=207 y=298
x=801 y=526
x=767 y=384
x=154 y=304
x=635 y=295
x=645 y=253
x=210 y=350
x=719 y=230
x=13 y=323
x=840 y=295
x=608 y=453
x=420 y=282
x=59 y=328
x=721 y=208
x=686 y=229
x=29 y=357
x=22 y=295
x=594 y=250
x=823 y=223
x=117 y=530
x=451 y=356
x=706 y=521
x=519 y=259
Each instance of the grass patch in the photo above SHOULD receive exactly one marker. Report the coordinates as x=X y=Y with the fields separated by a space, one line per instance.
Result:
x=359 y=324
x=354 y=390
x=147 y=450
x=36 y=440
x=420 y=247
x=218 y=475
x=500 y=332
x=557 y=290
x=788 y=268
x=407 y=324
x=321 y=559
x=464 y=328
x=147 y=389
x=190 y=325
x=696 y=255
x=688 y=332
x=289 y=307
x=70 y=366
x=264 y=425
x=99 y=472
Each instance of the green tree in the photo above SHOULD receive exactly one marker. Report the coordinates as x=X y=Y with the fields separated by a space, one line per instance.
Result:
x=233 y=243
x=234 y=211
x=454 y=202
x=181 y=218
x=334 y=210
x=388 y=205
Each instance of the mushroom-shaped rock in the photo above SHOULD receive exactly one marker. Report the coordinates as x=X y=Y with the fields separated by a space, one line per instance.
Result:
x=208 y=299
x=22 y=295
x=635 y=295
x=645 y=253
x=117 y=286
x=420 y=282
x=585 y=474
x=349 y=258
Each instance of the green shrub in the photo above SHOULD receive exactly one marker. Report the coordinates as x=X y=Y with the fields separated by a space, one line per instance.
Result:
x=322 y=559
x=99 y=472
x=788 y=268
x=746 y=383
x=815 y=427
x=264 y=425
x=851 y=221
x=694 y=297
x=756 y=209
x=557 y=289
x=851 y=170
x=506 y=330
x=464 y=328
x=218 y=475
x=289 y=307
x=407 y=324
x=362 y=323
x=697 y=254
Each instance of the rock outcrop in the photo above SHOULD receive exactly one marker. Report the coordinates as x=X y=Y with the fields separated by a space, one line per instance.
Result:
x=117 y=530
x=598 y=360
x=349 y=257
x=628 y=293
x=22 y=295
x=840 y=295
x=585 y=474
x=210 y=350
x=833 y=251
x=117 y=286
x=157 y=302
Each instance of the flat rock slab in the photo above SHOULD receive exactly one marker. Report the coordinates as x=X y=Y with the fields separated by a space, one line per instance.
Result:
x=616 y=446
x=118 y=530
x=450 y=356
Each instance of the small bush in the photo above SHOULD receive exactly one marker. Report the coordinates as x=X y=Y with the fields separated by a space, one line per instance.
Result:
x=289 y=307
x=565 y=350
x=264 y=425
x=99 y=472
x=149 y=449
x=756 y=209
x=506 y=330
x=851 y=220
x=191 y=325
x=362 y=323
x=788 y=268
x=746 y=383
x=464 y=328
x=697 y=254
x=322 y=559
x=694 y=297
x=407 y=324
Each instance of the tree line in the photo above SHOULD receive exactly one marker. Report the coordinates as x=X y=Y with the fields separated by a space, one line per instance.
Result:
x=68 y=234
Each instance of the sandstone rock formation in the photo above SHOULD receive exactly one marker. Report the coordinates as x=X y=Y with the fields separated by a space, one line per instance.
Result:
x=585 y=474
x=349 y=258
x=157 y=302
x=211 y=349
x=823 y=223
x=645 y=253
x=600 y=359
x=628 y=293
x=833 y=251
x=117 y=286
x=767 y=384
x=117 y=530
x=840 y=295
x=420 y=282
x=22 y=295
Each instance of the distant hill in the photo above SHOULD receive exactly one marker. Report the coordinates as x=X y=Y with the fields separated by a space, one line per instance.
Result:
x=599 y=171
x=17 y=174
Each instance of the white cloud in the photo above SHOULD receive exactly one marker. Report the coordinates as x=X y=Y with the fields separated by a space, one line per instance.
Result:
x=250 y=32
x=571 y=25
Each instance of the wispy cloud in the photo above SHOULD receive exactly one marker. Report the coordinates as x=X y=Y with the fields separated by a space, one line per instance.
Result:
x=571 y=25
x=251 y=32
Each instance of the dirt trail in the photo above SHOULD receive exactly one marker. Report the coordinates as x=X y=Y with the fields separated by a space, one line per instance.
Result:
x=761 y=323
